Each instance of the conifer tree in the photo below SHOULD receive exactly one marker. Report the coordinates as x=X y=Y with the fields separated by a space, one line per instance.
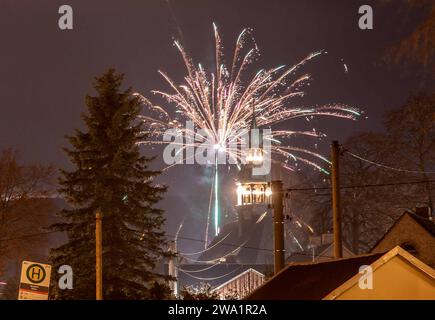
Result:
x=111 y=175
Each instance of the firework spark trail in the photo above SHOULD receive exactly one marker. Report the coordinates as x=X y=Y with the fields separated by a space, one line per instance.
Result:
x=220 y=103
x=216 y=197
x=207 y=228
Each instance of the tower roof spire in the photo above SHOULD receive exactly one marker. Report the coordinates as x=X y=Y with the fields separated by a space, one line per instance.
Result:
x=254 y=119
x=255 y=136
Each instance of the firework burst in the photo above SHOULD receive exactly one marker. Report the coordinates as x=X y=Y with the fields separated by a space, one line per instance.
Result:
x=221 y=102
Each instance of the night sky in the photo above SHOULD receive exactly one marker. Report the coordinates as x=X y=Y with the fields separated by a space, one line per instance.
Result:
x=45 y=72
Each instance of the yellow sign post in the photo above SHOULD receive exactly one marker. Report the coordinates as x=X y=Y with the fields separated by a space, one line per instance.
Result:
x=35 y=281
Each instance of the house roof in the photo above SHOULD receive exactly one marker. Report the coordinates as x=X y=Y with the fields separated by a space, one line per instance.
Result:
x=238 y=276
x=397 y=251
x=311 y=281
x=244 y=248
x=331 y=248
x=191 y=275
x=319 y=251
x=307 y=255
x=428 y=225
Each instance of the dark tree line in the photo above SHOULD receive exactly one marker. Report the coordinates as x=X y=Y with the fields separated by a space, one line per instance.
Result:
x=416 y=47
x=25 y=208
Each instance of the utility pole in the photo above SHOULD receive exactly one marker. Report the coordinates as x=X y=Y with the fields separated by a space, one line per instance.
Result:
x=173 y=268
x=99 y=256
x=336 y=209
x=278 y=221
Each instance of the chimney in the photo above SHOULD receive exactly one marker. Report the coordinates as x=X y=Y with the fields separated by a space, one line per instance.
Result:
x=424 y=212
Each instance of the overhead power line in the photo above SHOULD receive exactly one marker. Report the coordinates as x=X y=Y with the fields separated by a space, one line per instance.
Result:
x=363 y=185
x=213 y=278
x=224 y=244
x=172 y=236
x=29 y=235
x=168 y=236
x=206 y=249
x=387 y=167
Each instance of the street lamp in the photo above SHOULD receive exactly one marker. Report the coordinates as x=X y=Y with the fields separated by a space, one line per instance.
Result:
x=254 y=157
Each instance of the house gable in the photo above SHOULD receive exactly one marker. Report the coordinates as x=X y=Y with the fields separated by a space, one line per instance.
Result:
x=396 y=275
x=410 y=233
x=328 y=253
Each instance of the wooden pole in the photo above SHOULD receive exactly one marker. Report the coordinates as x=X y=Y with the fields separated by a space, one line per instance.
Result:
x=336 y=209
x=173 y=268
x=99 y=255
x=278 y=220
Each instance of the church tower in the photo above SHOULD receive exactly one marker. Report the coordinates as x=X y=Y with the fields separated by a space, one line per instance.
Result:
x=253 y=191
